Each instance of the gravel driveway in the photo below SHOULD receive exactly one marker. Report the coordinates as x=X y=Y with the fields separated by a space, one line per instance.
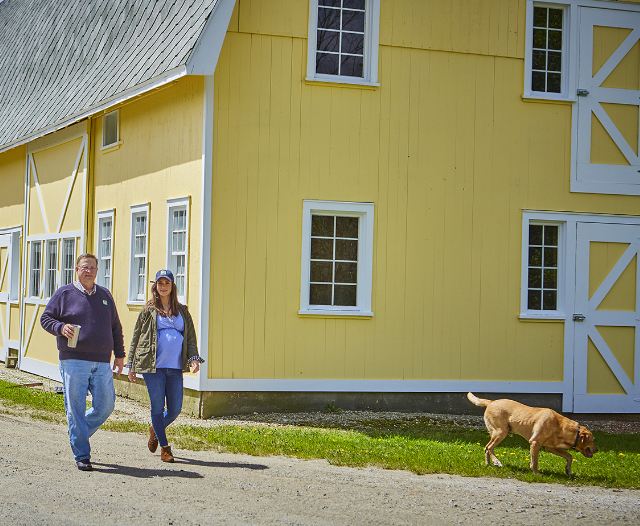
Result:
x=39 y=484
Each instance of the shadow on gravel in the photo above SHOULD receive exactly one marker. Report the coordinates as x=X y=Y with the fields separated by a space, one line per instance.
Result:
x=142 y=473
x=206 y=464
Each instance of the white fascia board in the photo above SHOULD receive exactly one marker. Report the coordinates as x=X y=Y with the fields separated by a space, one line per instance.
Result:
x=204 y=57
x=166 y=78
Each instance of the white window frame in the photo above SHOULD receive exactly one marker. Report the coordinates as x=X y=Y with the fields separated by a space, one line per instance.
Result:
x=67 y=270
x=533 y=218
x=569 y=52
x=103 y=216
x=173 y=205
x=50 y=268
x=371 y=47
x=136 y=298
x=14 y=284
x=112 y=114
x=365 y=212
x=35 y=273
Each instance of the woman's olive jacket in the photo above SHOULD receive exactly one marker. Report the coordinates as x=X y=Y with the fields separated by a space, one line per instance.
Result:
x=142 y=353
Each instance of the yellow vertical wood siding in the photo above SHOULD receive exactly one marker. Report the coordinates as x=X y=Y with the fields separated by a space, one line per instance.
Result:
x=160 y=157
x=12 y=170
x=450 y=155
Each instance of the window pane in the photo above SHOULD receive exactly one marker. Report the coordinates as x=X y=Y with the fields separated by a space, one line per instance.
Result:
x=352 y=66
x=321 y=271
x=549 y=300
x=352 y=43
x=328 y=41
x=539 y=59
x=110 y=129
x=322 y=248
x=550 y=257
x=555 y=39
x=540 y=38
x=320 y=294
x=550 y=278
x=535 y=257
x=347 y=249
x=555 y=18
x=345 y=295
x=346 y=272
x=347 y=227
x=539 y=17
x=322 y=226
x=555 y=61
x=554 y=83
x=354 y=4
x=551 y=235
x=332 y=3
x=327 y=64
x=535 y=278
x=538 y=81
x=353 y=20
x=535 y=234
x=328 y=18
x=535 y=300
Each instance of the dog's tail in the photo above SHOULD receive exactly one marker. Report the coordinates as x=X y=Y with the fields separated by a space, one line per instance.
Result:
x=478 y=401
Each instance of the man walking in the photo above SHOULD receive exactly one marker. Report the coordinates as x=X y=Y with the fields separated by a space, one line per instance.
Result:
x=85 y=368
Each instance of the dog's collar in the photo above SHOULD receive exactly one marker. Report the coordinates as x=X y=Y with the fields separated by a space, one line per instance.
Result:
x=575 y=443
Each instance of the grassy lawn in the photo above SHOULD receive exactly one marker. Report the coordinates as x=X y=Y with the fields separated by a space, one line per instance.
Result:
x=420 y=449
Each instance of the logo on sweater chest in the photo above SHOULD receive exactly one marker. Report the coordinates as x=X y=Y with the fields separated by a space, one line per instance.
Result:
x=104 y=302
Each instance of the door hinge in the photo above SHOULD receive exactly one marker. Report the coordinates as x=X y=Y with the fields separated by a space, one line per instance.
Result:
x=583 y=92
x=578 y=317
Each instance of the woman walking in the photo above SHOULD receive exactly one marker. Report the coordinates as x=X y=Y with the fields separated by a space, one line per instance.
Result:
x=162 y=348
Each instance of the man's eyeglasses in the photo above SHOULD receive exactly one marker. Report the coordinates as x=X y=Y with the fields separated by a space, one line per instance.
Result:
x=88 y=269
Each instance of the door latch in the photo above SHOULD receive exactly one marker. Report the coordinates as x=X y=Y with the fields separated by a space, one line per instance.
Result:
x=578 y=317
x=583 y=92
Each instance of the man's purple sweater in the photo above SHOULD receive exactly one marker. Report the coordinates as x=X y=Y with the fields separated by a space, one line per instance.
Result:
x=101 y=330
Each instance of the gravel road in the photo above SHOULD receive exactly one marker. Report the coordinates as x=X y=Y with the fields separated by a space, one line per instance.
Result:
x=39 y=484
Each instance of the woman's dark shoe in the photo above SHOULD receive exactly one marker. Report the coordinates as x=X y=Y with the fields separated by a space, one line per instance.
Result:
x=153 y=440
x=165 y=454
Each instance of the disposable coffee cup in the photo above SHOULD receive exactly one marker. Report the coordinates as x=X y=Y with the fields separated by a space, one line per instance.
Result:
x=74 y=340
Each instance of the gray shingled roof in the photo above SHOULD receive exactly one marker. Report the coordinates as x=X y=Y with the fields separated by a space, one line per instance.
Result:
x=59 y=58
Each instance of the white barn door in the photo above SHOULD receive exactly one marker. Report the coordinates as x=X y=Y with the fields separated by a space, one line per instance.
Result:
x=608 y=103
x=607 y=314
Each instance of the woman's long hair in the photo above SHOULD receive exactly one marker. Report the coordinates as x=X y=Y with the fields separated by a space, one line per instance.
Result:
x=156 y=301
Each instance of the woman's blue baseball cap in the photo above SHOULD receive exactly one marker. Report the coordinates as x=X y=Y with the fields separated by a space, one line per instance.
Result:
x=164 y=274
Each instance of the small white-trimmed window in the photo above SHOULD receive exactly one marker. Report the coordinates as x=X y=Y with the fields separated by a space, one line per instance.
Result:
x=51 y=268
x=178 y=243
x=549 y=51
x=110 y=129
x=105 y=247
x=542 y=269
x=139 y=250
x=14 y=286
x=35 y=269
x=337 y=258
x=343 y=41
x=68 y=260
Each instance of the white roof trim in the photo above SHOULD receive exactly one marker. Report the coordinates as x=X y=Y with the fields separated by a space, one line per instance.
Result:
x=204 y=57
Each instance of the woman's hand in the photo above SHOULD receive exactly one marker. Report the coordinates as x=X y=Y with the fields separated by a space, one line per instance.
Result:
x=132 y=376
x=194 y=365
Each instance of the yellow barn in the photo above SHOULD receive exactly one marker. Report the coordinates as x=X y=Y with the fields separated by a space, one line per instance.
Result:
x=367 y=203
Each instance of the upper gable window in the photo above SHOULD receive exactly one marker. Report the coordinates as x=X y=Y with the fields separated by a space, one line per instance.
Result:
x=110 y=129
x=343 y=41
x=548 y=53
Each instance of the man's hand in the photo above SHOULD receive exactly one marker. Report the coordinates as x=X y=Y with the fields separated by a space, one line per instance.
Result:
x=118 y=364
x=132 y=377
x=194 y=366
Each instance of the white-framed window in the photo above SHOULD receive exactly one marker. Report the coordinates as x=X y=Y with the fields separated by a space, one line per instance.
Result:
x=14 y=285
x=343 y=41
x=51 y=268
x=68 y=261
x=337 y=258
x=105 y=247
x=178 y=243
x=35 y=269
x=550 y=51
x=139 y=249
x=110 y=129
x=543 y=268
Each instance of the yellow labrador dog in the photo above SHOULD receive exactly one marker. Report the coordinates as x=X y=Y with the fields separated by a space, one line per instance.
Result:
x=540 y=426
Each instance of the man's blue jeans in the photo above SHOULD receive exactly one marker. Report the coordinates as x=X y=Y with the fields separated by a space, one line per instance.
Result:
x=80 y=377
x=161 y=385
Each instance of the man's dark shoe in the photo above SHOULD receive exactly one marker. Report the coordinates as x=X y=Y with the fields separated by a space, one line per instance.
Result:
x=153 y=440
x=84 y=465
